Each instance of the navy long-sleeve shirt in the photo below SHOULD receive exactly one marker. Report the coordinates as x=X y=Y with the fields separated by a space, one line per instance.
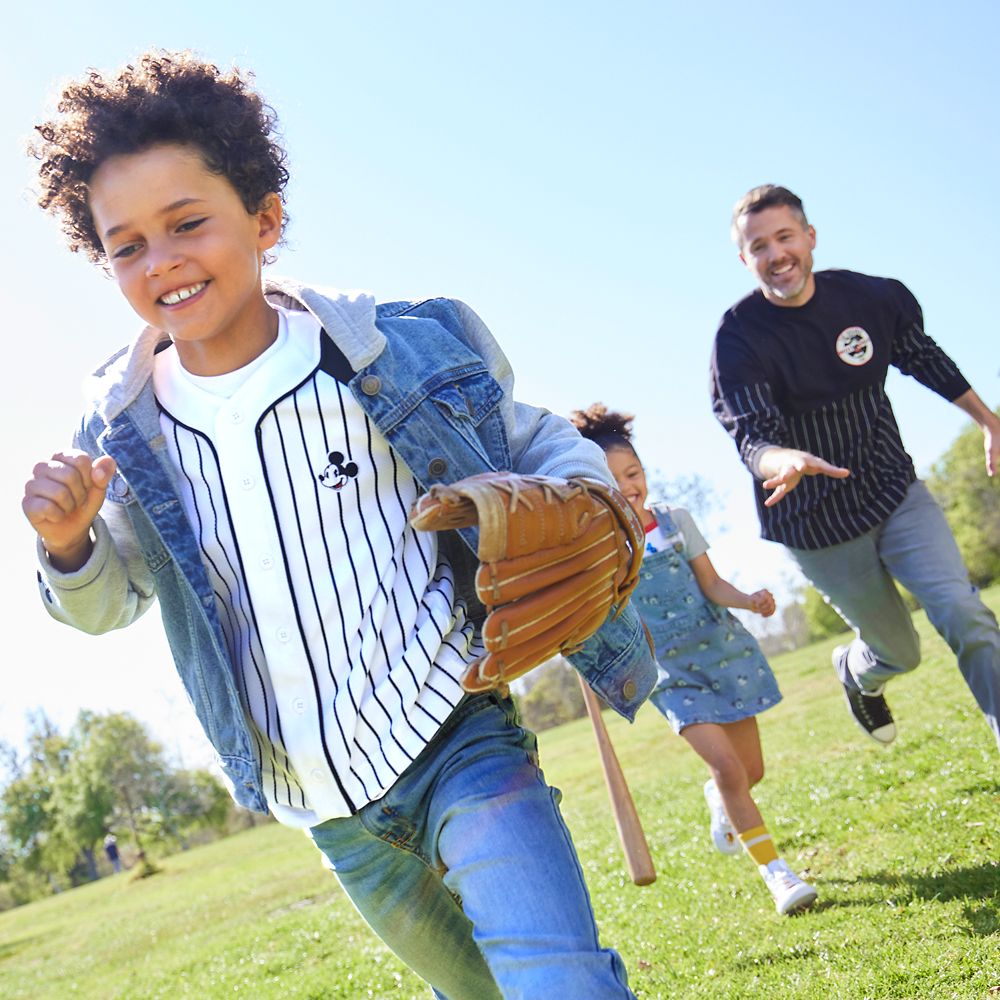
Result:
x=812 y=377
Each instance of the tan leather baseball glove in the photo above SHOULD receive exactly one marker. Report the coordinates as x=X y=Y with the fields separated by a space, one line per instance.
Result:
x=555 y=556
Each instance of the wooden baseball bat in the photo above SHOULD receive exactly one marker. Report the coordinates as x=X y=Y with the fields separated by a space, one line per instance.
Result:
x=640 y=864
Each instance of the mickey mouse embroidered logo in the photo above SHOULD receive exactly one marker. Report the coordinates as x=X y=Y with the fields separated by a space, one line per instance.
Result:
x=854 y=346
x=336 y=474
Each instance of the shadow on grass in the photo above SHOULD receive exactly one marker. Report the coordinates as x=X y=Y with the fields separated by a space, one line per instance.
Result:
x=980 y=885
x=8 y=948
x=984 y=787
x=774 y=957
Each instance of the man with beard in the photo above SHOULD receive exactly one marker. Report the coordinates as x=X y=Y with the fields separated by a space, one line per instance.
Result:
x=798 y=381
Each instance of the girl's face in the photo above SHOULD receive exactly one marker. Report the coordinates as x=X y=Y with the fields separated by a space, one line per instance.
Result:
x=630 y=477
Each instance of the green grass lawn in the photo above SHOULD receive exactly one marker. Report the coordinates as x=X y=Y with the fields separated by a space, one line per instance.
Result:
x=902 y=843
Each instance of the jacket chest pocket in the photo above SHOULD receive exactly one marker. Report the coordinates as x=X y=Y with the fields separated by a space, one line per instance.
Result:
x=469 y=397
x=468 y=404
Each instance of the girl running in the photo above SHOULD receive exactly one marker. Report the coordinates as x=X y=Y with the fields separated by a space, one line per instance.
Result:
x=714 y=679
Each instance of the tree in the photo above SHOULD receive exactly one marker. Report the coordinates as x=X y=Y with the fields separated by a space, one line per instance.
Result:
x=788 y=630
x=192 y=800
x=68 y=792
x=821 y=617
x=693 y=493
x=554 y=698
x=36 y=844
x=118 y=775
x=971 y=502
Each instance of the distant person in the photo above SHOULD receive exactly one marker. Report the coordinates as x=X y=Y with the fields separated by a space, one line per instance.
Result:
x=254 y=456
x=111 y=850
x=714 y=680
x=798 y=380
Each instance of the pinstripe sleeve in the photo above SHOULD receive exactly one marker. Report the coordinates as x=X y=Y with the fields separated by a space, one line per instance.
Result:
x=743 y=401
x=916 y=354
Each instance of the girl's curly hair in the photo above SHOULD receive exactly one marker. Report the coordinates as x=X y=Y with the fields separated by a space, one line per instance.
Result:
x=164 y=97
x=608 y=428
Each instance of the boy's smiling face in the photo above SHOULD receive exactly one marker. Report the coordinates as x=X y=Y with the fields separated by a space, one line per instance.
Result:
x=187 y=254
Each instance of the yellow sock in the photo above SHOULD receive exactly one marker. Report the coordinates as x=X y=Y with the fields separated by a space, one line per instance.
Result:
x=758 y=844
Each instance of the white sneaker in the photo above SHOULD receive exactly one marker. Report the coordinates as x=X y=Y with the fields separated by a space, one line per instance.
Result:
x=791 y=894
x=723 y=835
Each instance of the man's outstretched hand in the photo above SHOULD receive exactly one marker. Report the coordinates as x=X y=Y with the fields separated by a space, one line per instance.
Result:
x=989 y=424
x=991 y=445
x=785 y=467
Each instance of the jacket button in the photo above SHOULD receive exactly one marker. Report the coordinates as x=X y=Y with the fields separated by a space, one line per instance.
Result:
x=437 y=468
x=370 y=385
x=628 y=689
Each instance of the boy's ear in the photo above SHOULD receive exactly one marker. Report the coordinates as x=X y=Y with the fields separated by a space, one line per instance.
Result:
x=269 y=222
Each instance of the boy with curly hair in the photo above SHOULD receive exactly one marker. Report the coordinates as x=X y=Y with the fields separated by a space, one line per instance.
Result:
x=249 y=462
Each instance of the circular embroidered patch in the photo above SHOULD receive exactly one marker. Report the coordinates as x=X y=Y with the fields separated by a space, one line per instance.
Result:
x=854 y=346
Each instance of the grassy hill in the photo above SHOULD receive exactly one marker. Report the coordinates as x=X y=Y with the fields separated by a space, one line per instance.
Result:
x=903 y=844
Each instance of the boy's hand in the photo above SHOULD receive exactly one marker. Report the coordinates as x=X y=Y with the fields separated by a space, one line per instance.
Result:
x=61 y=501
x=762 y=602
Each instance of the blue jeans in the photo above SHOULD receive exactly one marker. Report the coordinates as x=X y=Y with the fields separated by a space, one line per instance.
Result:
x=466 y=869
x=915 y=546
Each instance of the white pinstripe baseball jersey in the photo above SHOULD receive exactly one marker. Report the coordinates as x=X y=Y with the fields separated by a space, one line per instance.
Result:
x=340 y=621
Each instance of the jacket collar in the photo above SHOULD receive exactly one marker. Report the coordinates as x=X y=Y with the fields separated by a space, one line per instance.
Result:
x=347 y=317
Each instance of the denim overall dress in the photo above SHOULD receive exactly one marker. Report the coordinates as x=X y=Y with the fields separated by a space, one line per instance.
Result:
x=710 y=667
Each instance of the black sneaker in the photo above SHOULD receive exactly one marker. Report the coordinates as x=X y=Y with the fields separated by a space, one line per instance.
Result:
x=869 y=709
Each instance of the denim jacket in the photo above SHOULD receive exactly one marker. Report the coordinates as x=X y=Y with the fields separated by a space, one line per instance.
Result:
x=435 y=383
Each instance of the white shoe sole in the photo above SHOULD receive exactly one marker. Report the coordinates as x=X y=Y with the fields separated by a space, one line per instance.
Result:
x=798 y=901
x=884 y=735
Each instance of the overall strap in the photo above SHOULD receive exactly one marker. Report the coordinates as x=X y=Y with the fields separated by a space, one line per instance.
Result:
x=668 y=527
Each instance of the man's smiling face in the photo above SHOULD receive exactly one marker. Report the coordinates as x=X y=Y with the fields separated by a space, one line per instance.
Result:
x=776 y=246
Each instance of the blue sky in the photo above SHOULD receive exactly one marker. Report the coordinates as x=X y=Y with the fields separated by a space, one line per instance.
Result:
x=567 y=169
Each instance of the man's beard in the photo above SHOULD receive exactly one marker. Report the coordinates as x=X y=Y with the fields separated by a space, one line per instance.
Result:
x=791 y=291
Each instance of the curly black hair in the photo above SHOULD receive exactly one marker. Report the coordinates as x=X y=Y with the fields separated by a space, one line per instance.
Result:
x=608 y=428
x=163 y=97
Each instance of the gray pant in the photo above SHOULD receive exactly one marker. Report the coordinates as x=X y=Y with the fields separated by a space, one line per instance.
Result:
x=915 y=546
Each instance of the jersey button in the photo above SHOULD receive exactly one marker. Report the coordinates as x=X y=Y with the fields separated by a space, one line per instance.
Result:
x=299 y=705
x=266 y=562
x=283 y=635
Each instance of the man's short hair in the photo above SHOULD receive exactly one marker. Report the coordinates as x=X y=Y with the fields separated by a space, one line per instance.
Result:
x=766 y=196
